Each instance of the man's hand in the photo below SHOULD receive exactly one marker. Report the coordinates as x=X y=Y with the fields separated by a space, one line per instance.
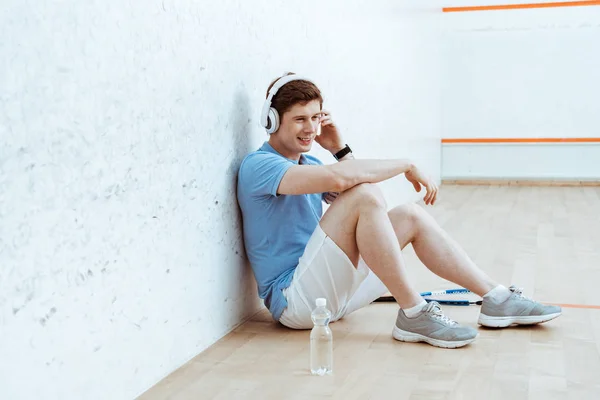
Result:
x=330 y=138
x=416 y=177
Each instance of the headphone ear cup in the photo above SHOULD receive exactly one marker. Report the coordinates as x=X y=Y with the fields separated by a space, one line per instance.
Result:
x=272 y=121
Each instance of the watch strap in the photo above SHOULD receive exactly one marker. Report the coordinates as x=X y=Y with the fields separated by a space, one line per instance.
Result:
x=342 y=152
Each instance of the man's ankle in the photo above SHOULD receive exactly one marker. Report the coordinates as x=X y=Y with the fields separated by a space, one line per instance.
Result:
x=498 y=295
x=414 y=311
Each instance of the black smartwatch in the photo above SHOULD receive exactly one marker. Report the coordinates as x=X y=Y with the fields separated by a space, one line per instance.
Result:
x=342 y=152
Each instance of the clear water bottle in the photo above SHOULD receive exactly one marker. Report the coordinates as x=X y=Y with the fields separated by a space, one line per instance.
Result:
x=321 y=340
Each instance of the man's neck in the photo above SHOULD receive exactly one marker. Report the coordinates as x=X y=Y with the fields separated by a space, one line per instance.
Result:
x=281 y=150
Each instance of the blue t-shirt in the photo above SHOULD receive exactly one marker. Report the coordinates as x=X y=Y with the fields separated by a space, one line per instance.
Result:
x=276 y=227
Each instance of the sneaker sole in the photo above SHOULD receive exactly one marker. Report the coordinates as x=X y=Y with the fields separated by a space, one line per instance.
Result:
x=503 y=322
x=404 y=336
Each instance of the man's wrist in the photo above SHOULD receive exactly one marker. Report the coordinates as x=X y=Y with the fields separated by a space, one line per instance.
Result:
x=347 y=157
x=342 y=153
x=336 y=149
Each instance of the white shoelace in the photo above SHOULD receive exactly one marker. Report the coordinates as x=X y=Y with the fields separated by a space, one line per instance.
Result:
x=519 y=292
x=436 y=311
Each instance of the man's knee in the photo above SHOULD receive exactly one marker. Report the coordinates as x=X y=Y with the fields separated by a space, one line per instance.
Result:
x=368 y=194
x=409 y=212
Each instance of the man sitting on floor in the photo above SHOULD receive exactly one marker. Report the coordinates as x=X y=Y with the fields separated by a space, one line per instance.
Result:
x=351 y=254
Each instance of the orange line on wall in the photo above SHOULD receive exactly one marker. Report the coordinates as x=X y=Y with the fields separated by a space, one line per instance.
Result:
x=523 y=6
x=522 y=140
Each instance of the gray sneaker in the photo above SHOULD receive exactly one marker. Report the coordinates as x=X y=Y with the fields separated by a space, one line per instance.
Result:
x=433 y=327
x=517 y=309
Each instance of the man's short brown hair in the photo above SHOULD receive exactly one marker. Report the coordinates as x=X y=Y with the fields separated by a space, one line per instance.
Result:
x=292 y=93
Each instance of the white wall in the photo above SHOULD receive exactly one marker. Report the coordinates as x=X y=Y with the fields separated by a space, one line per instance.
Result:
x=122 y=125
x=521 y=74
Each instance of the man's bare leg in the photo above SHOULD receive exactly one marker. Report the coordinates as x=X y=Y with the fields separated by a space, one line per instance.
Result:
x=356 y=221
x=444 y=257
x=436 y=249
x=359 y=224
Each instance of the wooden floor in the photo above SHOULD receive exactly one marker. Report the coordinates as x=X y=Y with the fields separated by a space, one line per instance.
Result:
x=544 y=239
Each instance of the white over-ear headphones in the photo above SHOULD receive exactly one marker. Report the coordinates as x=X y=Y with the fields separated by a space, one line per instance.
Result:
x=269 y=118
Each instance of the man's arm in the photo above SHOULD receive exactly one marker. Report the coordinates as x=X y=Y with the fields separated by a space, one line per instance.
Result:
x=341 y=176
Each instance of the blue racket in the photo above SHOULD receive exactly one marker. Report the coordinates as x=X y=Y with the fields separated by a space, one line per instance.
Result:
x=451 y=297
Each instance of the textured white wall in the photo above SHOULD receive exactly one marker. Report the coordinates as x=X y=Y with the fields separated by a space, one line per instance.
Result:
x=521 y=74
x=122 y=125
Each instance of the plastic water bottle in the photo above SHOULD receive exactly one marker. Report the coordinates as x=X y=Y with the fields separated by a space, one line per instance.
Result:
x=321 y=340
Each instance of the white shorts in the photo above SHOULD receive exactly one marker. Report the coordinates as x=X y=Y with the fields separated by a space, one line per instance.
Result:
x=324 y=270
